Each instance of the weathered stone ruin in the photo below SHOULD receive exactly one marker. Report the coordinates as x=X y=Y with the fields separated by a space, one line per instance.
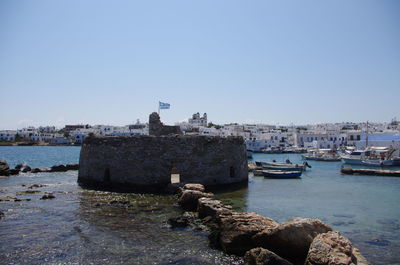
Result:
x=145 y=163
x=157 y=128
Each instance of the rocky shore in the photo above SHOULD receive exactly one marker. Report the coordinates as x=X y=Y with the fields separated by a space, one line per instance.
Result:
x=5 y=169
x=261 y=240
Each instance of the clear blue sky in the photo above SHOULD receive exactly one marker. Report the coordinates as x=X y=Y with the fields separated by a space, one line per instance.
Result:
x=110 y=62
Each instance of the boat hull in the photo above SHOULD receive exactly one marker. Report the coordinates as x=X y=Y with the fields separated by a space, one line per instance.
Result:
x=326 y=159
x=370 y=163
x=278 y=174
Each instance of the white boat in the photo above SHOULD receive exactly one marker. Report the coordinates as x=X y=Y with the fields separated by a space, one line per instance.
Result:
x=321 y=155
x=371 y=156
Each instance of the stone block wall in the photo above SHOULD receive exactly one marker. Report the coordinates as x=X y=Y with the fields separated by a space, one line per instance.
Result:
x=157 y=128
x=146 y=162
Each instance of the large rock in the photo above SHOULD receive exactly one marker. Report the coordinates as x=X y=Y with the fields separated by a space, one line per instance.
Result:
x=260 y=256
x=237 y=230
x=330 y=249
x=189 y=199
x=4 y=165
x=291 y=240
x=213 y=208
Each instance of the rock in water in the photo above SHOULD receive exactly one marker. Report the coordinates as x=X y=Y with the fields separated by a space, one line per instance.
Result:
x=260 y=256
x=180 y=221
x=59 y=168
x=291 y=240
x=330 y=249
x=25 y=169
x=189 y=199
x=237 y=230
x=72 y=166
x=4 y=165
x=191 y=186
x=212 y=208
x=48 y=196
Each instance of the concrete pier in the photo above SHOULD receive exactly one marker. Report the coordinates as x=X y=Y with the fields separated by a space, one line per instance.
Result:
x=372 y=172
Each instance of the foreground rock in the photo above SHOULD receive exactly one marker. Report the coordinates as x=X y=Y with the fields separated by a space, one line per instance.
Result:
x=291 y=240
x=237 y=230
x=189 y=199
x=260 y=256
x=333 y=249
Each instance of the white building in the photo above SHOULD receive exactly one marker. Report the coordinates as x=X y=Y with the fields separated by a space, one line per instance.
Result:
x=197 y=120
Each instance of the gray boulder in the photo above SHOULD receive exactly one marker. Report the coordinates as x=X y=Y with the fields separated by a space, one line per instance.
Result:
x=291 y=240
x=236 y=231
x=260 y=256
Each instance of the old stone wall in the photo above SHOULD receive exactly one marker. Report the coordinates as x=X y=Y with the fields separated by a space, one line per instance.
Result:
x=143 y=162
x=157 y=128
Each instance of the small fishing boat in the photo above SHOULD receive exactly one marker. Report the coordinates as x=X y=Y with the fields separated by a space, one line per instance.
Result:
x=280 y=174
x=285 y=168
x=326 y=155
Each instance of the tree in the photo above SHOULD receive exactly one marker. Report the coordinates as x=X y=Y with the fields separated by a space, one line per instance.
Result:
x=17 y=138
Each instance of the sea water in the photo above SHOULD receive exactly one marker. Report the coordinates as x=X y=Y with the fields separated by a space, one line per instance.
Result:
x=92 y=227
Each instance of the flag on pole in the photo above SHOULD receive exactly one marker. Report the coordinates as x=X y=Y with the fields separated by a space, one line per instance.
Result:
x=163 y=105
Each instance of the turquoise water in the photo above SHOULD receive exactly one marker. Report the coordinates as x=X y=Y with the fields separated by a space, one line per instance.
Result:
x=81 y=226
x=40 y=156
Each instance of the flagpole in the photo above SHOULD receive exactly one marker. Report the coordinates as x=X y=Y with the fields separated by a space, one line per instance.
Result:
x=158 y=108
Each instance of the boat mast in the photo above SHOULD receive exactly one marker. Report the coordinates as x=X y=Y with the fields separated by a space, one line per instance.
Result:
x=366 y=139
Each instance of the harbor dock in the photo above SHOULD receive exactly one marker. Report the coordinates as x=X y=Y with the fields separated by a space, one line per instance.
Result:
x=372 y=172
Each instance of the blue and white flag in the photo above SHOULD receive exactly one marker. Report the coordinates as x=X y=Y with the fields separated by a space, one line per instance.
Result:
x=164 y=105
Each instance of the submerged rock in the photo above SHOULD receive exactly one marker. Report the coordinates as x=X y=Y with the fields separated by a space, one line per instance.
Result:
x=34 y=186
x=330 y=249
x=291 y=240
x=237 y=230
x=48 y=196
x=261 y=256
x=180 y=221
x=189 y=199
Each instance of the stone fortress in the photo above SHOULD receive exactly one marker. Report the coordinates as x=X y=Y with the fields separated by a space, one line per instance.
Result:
x=145 y=163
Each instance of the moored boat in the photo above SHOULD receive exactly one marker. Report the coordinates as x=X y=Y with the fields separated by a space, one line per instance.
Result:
x=372 y=157
x=322 y=155
x=283 y=166
x=280 y=174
